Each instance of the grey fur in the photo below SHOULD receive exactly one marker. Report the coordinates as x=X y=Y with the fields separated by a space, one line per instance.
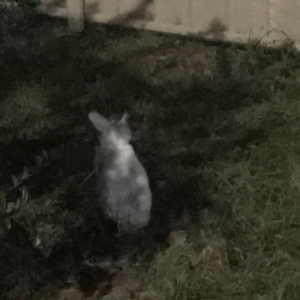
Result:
x=125 y=194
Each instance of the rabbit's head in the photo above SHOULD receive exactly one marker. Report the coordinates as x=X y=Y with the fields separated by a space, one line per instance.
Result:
x=114 y=132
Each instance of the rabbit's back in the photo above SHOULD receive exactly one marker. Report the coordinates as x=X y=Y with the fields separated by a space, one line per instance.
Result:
x=126 y=196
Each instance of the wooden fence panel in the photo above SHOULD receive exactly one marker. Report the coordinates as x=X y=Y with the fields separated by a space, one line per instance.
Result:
x=272 y=21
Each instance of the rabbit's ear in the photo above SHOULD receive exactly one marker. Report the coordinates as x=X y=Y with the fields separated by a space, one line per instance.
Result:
x=98 y=121
x=124 y=118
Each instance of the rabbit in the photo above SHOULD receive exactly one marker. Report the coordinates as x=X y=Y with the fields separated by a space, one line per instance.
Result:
x=125 y=194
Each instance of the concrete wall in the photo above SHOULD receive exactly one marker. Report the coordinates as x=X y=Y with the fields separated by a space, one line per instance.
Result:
x=273 y=21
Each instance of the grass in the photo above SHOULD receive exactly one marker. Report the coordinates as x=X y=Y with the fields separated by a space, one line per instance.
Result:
x=217 y=128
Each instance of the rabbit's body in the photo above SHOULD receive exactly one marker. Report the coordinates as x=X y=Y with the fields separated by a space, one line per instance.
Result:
x=124 y=187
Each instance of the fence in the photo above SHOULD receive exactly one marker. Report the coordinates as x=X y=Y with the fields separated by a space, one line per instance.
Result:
x=274 y=22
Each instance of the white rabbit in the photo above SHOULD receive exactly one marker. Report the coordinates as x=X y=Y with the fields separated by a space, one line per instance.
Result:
x=125 y=194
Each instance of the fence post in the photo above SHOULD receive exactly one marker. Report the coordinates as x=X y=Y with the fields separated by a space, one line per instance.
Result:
x=75 y=11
